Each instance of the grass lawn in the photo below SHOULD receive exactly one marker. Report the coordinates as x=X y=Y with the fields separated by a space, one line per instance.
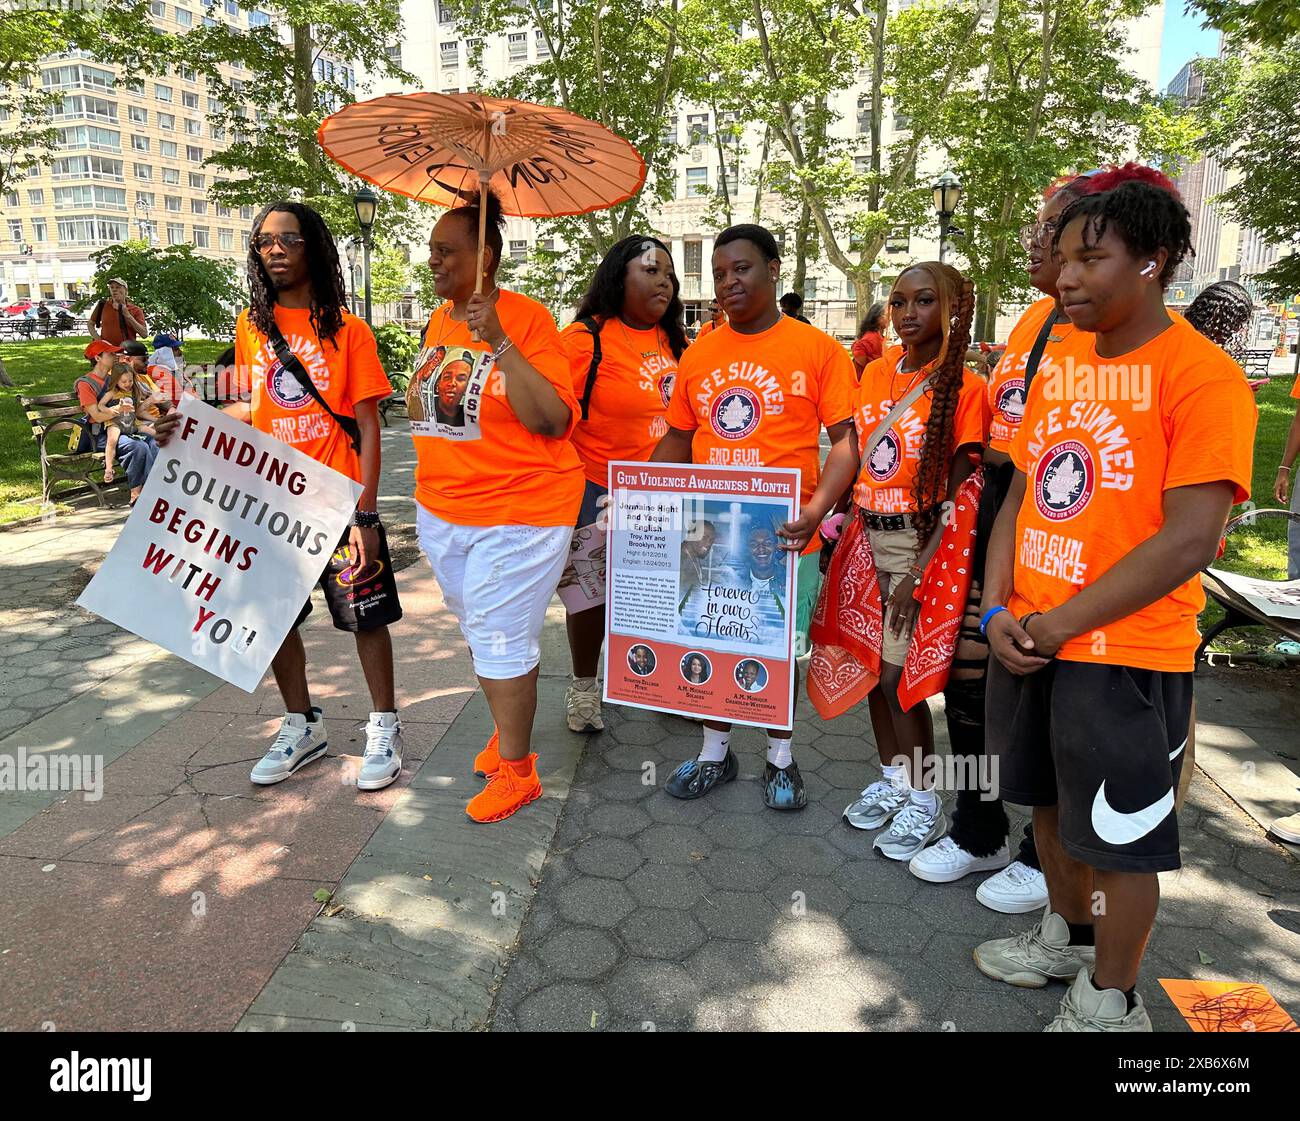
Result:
x=38 y=367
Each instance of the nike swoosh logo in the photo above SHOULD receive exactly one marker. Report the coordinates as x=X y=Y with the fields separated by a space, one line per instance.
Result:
x=1117 y=828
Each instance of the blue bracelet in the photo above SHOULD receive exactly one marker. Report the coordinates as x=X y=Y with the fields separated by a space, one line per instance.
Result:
x=984 y=622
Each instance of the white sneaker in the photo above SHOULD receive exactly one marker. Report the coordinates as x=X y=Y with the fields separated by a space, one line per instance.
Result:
x=1088 y=1008
x=947 y=861
x=382 y=761
x=876 y=805
x=913 y=827
x=1035 y=956
x=582 y=709
x=1016 y=890
x=1288 y=828
x=300 y=741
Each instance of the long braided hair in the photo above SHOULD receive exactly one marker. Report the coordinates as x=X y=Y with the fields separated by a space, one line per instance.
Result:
x=956 y=310
x=327 y=293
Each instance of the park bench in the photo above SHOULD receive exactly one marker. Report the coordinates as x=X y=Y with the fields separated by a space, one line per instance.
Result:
x=1237 y=610
x=1255 y=363
x=17 y=327
x=52 y=418
x=397 y=401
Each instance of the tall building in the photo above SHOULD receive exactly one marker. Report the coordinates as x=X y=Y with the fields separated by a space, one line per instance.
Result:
x=129 y=162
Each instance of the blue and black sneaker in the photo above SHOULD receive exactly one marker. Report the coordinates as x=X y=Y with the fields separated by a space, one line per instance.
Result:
x=783 y=787
x=695 y=778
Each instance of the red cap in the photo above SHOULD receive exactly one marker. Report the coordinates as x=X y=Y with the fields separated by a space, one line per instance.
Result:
x=98 y=347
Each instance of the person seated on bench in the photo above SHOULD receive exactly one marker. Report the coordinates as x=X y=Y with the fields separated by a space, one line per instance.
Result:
x=134 y=455
x=165 y=371
x=131 y=422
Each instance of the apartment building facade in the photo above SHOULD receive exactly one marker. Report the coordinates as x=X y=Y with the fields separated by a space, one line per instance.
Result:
x=129 y=163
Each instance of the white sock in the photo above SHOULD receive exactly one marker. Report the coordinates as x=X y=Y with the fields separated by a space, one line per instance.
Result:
x=715 y=746
x=584 y=684
x=778 y=752
x=896 y=777
x=927 y=798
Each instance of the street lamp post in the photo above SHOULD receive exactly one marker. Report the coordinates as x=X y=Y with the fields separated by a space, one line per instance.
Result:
x=947 y=193
x=350 y=252
x=143 y=210
x=366 y=203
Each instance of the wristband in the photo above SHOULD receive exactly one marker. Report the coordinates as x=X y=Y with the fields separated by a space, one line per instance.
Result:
x=988 y=615
x=1283 y=467
x=366 y=519
x=506 y=344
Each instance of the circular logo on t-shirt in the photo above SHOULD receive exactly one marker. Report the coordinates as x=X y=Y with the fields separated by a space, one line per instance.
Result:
x=885 y=458
x=283 y=388
x=1064 y=481
x=1011 y=399
x=666 y=388
x=735 y=414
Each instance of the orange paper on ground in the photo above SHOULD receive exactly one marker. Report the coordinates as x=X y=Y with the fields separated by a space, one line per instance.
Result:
x=1227 y=1006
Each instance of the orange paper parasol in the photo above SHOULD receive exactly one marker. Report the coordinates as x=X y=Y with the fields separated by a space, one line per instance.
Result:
x=543 y=162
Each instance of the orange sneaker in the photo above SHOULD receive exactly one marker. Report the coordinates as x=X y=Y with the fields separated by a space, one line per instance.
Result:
x=505 y=792
x=488 y=761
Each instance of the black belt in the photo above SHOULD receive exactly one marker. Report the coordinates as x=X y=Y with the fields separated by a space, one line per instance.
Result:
x=888 y=521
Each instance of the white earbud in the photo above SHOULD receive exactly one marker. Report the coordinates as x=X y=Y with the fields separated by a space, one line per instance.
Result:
x=1149 y=267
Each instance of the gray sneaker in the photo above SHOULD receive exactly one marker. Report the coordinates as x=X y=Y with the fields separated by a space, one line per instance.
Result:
x=876 y=805
x=913 y=827
x=582 y=709
x=1088 y=1008
x=1035 y=956
x=382 y=761
x=299 y=742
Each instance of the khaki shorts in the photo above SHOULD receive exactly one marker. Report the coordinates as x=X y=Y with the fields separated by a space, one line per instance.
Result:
x=894 y=551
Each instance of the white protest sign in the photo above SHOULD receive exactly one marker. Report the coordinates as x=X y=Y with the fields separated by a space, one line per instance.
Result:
x=230 y=534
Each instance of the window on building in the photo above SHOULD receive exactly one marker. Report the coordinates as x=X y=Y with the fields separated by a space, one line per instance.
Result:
x=193 y=128
x=861 y=165
x=197 y=180
x=697 y=181
x=445 y=12
x=139 y=143
x=167 y=121
x=89 y=136
x=184 y=18
x=692 y=259
x=697 y=128
x=902 y=122
x=232 y=8
x=175 y=233
x=135 y=86
x=518 y=250
x=729 y=177
x=16 y=229
x=258 y=19
x=449 y=53
x=451 y=89
x=225 y=239
x=198 y=206
x=36 y=197
x=173 y=203
x=517 y=44
x=394 y=53
x=669 y=135
x=86 y=167
x=138 y=115
x=158 y=8
x=190 y=100
x=222 y=211
x=810 y=288
x=167 y=149
x=201 y=240
x=162 y=93
x=243 y=241
x=147 y=197
x=898 y=240
x=214 y=104
x=193 y=153
x=142 y=171
x=40 y=231
x=73 y=198
x=216 y=132
x=473 y=48
x=246 y=214
x=91 y=230
x=864 y=116
x=170 y=175
x=540 y=44
x=188 y=74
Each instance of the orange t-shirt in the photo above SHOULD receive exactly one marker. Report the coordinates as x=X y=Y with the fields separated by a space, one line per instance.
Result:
x=708 y=326
x=1295 y=388
x=633 y=385
x=1101 y=441
x=761 y=400
x=885 y=481
x=1006 y=385
x=345 y=371
x=504 y=474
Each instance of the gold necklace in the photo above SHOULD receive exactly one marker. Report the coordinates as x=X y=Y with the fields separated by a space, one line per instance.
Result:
x=645 y=353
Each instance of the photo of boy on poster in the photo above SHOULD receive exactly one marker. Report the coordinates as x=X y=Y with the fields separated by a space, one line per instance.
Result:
x=444 y=398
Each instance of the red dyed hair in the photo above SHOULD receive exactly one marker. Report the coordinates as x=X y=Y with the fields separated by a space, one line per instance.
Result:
x=1110 y=177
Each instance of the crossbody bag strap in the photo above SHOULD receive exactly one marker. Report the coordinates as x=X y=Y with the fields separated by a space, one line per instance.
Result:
x=904 y=403
x=592 y=326
x=1036 y=351
x=293 y=364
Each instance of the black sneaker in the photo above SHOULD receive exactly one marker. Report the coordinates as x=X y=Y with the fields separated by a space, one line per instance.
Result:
x=694 y=778
x=783 y=787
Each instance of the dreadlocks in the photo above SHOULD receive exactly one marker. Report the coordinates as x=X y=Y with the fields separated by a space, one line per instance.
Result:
x=1145 y=217
x=956 y=309
x=327 y=292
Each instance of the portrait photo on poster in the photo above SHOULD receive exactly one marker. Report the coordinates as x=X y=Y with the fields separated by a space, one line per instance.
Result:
x=444 y=398
x=641 y=660
x=696 y=668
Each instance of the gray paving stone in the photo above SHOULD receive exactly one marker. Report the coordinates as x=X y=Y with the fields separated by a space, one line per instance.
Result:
x=653 y=990
x=874 y=879
x=564 y=1007
x=812 y=856
x=678 y=811
x=741 y=916
x=579 y=954
x=737 y=870
x=661 y=933
x=738 y=831
x=885 y=928
x=674 y=844
x=610 y=857
x=591 y=901
x=618 y=820
x=796 y=892
x=666 y=885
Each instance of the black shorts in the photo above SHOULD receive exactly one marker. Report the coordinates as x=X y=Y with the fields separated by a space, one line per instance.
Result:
x=1104 y=743
x=358 y=604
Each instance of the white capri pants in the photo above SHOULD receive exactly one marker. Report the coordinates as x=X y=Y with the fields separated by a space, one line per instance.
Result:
x=498 y=581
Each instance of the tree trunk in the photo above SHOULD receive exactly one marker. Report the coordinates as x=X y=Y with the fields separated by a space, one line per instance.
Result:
x=758 y=183
x=877 y=102
x=304 y=89
x=801 y=248
x=5 y=379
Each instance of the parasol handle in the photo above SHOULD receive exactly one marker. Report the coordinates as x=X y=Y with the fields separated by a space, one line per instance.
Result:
x=482 y=238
